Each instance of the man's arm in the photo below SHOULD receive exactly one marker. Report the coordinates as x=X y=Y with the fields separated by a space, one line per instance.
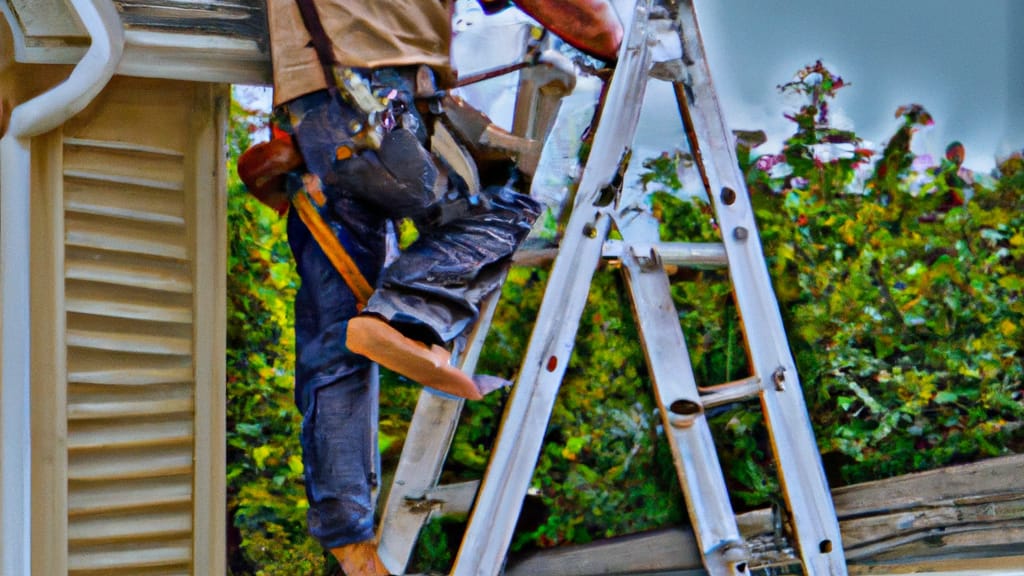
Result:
x=589 y=25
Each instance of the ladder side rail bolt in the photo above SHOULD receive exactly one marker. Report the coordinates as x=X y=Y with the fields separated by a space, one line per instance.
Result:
x=524 y=424
x=800 y=471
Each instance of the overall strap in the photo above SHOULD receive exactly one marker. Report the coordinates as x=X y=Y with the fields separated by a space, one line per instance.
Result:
x=309 y=213
x=321 y=43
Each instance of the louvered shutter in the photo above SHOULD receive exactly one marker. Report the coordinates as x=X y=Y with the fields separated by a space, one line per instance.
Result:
x=136 y=241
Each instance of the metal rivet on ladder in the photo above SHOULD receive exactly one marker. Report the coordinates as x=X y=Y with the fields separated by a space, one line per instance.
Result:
x=683 y=412
x=825 y=546
x=779 y=378
x=740 y=233
x=684 y=407
x=728 y=196
x=589 y=230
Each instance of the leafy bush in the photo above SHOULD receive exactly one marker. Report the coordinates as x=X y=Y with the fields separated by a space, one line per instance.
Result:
x=266 y=500
x=903 y=302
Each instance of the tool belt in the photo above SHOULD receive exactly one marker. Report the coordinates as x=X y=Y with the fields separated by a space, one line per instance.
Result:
x=383 y=161
x=387 y=178
x=273 y=168
x=398 y=179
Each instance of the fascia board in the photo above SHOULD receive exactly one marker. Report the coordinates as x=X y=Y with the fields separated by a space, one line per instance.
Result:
x=44 y=31
x=49 y=36
x=175 y=55
x=171 y=56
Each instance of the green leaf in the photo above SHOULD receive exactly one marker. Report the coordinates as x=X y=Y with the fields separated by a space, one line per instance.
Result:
x=260 y=455
x=845 y=402
x=295 y=464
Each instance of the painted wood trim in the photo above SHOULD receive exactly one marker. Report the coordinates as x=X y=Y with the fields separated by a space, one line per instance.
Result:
x=207 y=195
x=49 y=362
x=171 y=55
x=189 y=57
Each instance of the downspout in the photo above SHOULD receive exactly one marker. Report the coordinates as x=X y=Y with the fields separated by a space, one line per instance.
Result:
x=33 y=118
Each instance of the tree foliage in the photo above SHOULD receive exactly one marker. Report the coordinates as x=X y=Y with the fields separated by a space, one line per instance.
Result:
x=903 y=302
x=266 y=499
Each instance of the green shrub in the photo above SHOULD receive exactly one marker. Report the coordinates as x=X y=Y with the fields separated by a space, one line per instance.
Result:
x=266 y=499
x=903 y=302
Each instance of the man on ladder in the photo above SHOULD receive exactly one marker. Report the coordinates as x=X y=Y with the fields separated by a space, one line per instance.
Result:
x=359 y=90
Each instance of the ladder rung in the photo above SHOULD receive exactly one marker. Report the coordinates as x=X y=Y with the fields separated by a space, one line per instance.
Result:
x=695 y=254
x=690 y=254
x=730 y=392
x=449 y=499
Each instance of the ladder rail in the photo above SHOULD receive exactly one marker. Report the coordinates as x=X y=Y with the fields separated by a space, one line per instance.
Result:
x=803 y=479
x=414 y=496
x=524 y=425
x=679 y=401
x=428 y=441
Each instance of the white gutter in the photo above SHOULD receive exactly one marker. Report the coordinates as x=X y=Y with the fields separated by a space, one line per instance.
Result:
x=37 y=116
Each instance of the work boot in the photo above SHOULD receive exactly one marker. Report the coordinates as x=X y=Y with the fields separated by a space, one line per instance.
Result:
x=429 y=365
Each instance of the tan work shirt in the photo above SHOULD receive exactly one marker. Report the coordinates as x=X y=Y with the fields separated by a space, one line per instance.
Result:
x=365 y=34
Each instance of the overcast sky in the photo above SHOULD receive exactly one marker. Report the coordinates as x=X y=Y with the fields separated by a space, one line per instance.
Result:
x=964 y=61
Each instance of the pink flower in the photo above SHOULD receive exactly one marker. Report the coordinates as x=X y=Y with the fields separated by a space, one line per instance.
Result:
x=922 y=162
x=767 y=162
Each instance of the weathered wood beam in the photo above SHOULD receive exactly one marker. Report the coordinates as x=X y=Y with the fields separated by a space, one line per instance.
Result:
x=670 y=549
x=233 y=18
x=937 y=520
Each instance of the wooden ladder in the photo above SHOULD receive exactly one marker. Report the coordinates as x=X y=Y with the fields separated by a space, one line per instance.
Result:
x=495 y=502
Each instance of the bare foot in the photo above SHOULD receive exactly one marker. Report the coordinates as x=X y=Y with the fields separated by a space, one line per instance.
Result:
x=430 y=366
x=360 y=559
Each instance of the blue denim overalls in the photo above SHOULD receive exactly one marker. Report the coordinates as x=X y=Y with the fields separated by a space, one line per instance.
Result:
x=430 y=292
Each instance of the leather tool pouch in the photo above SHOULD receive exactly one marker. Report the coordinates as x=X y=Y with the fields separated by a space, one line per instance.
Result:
x=263 y=168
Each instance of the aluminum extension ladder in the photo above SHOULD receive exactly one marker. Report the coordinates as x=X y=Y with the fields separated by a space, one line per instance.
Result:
x=497 y=500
